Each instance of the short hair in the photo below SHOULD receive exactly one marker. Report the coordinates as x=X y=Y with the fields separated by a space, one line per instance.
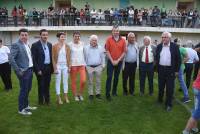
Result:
x=93 y=37
x=130 y=33
x=23 y=30
x=115 y=27
x=0 y=40
x=147 y=37
x=43 y=30
x=60 y=33
x=76 y=33
x=168 y=33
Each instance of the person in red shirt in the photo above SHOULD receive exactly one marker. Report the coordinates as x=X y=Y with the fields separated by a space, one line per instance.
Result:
x=192 y=122
x=115 y=50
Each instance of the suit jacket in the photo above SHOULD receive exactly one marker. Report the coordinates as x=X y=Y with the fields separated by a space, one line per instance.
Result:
x=39 y=56
x=175 y=56
x=142 y=50
x=18 y=57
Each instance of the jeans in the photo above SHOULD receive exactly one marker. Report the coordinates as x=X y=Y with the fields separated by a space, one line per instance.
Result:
x=196 y=110
x=182 y=83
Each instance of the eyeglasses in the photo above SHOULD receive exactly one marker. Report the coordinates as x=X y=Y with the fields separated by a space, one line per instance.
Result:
x=165 y=37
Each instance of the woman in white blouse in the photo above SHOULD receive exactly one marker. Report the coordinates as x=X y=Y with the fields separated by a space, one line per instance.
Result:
x=77 y=66
x=61 y=65
x=5 y=68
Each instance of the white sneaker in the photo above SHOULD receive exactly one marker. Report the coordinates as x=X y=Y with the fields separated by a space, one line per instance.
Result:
x=30 y=108
x=81 y=98
x=24 y=112
x=76 y=98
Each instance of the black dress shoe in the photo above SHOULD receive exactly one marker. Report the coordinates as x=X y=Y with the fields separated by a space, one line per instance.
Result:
x=108 y=98
x=91 y=97
x=98 y=96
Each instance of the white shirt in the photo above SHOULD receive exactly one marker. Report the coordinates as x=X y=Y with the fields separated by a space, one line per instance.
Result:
x=28 y=51
x=150 y=54
x=192 y=55
x=77 y=55
x=165 y=56
x=4 y=51
x=62 y=56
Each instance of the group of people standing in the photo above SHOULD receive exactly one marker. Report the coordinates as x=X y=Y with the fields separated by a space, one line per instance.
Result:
x=76 y=58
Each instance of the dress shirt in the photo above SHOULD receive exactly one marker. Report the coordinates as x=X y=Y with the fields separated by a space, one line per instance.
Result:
x=4 y=51
x=46 y=52
x=94 y=55
x=165 y=56
x=131 y=54
x=192 y=55
x=150 y=54
x=28 y=51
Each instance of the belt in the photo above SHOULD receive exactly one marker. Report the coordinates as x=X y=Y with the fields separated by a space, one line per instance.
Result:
x=93 y=66
x=167 y=67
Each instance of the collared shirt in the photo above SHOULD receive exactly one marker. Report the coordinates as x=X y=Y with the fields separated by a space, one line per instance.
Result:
x=150 y=54
x=192 y=55
x=28 y=51
x=132 y=53
x=94 y=55
x=77 y=55
x=165 y=56
x=46 y=52
x=4 y=51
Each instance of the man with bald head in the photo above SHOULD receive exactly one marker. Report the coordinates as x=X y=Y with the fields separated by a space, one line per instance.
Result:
x=147 y=55
x=168 y=64
x=130 y=65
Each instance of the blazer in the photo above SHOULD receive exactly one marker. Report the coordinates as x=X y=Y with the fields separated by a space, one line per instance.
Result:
x=175 y=56
x=18 y=57
x=39 y=56
x=142 y=50
x=55 y=51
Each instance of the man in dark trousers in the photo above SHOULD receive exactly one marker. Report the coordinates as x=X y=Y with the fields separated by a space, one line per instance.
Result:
x=42 y=65
x=168 y=63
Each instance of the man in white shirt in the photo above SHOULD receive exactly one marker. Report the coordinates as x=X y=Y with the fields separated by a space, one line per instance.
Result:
x=147 y=55
x=5 y=68
x=193 y=58
x=21 y=61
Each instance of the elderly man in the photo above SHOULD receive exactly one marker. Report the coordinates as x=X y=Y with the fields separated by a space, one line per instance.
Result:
x=21 y=61
x=115 y=50
x=147 y=55
x=168 y=64
x=130 y=64
x=95 y=60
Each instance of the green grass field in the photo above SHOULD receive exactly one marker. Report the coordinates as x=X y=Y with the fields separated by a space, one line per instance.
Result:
x=123 y=115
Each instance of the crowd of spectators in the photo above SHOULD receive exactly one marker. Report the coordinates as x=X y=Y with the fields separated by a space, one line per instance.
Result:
x=71 y=16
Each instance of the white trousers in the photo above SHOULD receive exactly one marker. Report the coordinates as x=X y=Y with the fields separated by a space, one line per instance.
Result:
x=62 y=75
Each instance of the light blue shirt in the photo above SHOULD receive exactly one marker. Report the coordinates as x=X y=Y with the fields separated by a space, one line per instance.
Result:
x=46 y=52
x=94 y=55
x=131 y=54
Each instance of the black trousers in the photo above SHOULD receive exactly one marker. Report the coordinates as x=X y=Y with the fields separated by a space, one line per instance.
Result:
x=5 y=73
x=129 y=74
x=166 y=77
x=188 y=72
x=196 y=70
x=146 y=69
x=43 y=85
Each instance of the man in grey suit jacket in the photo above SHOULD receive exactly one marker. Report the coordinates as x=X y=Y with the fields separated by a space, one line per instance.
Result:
x=147 y=56
x=21 y=61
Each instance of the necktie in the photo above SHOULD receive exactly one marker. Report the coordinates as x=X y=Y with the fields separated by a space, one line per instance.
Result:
x=147 y=56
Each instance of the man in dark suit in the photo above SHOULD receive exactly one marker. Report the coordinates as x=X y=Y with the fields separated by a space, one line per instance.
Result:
x=42 y=65
x=168 y=64
x=21 y=61
x=147 y=55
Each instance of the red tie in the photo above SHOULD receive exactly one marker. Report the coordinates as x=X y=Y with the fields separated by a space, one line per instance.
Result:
x=147 y=56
